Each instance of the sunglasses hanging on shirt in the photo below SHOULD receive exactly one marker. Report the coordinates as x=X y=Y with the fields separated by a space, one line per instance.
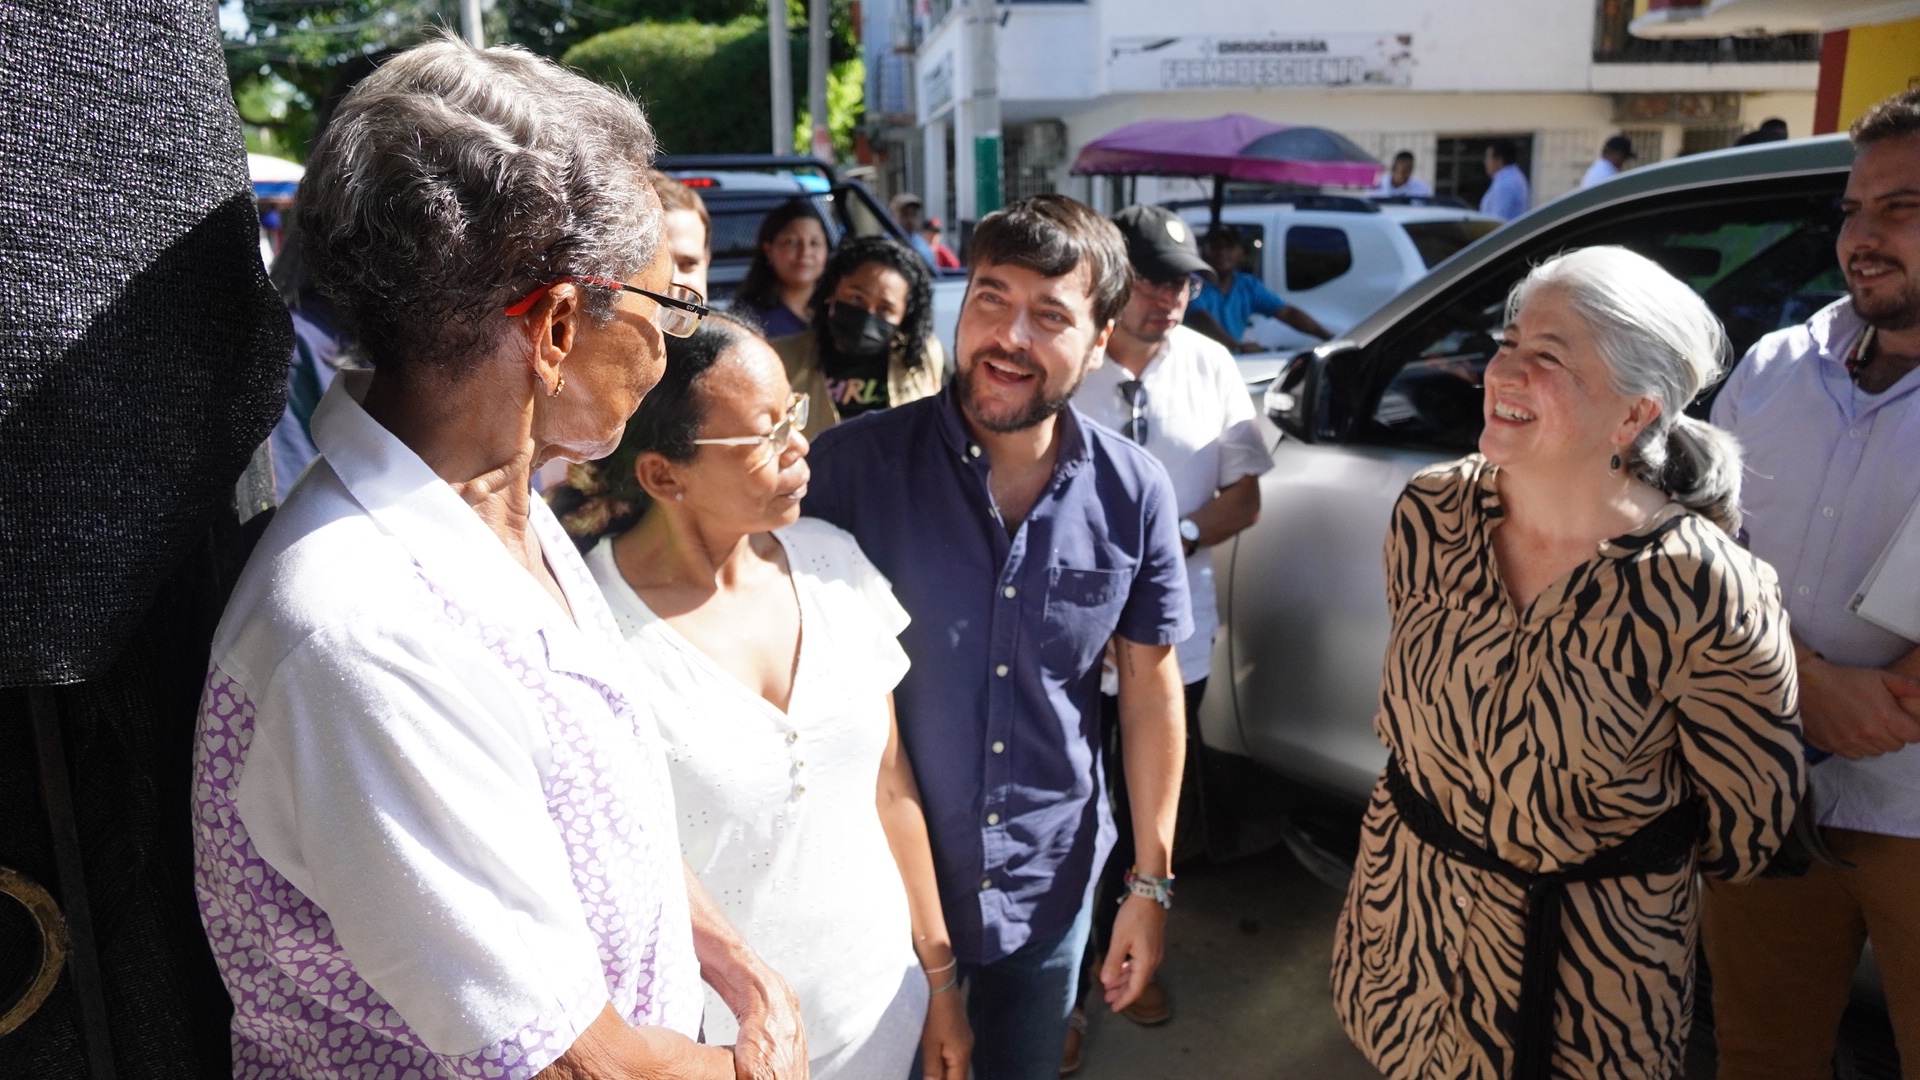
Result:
x=1135 y=393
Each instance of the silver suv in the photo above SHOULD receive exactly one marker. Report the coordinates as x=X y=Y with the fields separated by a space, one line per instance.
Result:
x=1303 y=602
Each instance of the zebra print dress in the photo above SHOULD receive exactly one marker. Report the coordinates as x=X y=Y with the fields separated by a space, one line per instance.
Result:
x=1659 y=671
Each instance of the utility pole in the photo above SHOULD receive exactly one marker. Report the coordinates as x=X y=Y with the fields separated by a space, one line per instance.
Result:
x=780 y=62
x=820 y=138
x=471 y=26
x=983 y=104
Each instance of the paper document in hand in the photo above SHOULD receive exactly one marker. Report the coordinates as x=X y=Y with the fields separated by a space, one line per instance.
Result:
x=1890 y=596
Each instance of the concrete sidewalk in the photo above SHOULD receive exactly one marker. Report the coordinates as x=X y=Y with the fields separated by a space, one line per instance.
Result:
x=1246 y=966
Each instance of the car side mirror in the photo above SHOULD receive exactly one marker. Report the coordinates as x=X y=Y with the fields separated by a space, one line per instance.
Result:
x=1300 y=400
x=1289 y=396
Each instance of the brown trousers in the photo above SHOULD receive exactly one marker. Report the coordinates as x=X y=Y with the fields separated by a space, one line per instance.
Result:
x=1783 y=955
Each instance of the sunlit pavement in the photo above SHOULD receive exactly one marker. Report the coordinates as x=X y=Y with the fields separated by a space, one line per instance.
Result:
x=1246 y=966
x=1247 y=959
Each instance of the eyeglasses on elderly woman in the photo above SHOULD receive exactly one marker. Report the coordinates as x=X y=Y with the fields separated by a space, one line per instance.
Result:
x=680 y=309
x=773 y=441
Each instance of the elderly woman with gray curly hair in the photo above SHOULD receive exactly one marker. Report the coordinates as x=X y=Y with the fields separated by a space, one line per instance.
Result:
x=1589 y=700
x=433 y=825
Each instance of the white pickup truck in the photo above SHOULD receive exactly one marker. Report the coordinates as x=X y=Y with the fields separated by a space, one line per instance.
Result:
x=1338 y=257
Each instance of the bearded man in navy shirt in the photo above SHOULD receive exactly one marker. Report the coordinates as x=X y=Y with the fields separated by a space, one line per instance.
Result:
x=1027 y=544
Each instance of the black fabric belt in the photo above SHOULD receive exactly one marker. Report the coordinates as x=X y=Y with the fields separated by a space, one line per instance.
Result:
x=1662 y=846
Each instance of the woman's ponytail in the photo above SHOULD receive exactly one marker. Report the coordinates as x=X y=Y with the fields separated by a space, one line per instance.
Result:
x=1699 y=467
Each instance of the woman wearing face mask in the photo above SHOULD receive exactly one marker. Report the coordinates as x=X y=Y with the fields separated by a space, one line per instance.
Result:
x=871 y=345
x=765 y=646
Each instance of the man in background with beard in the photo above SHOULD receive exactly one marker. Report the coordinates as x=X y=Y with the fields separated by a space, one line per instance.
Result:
x=1022 y=539
x=1828 y=414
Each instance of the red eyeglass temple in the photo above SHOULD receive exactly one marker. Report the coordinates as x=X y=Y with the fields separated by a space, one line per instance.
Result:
x=525 y=305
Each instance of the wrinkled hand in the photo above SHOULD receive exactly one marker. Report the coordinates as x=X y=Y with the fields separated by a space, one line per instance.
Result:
x=1139 y=941
x=946 y=1043
x=772 y=1044
x=1858 y=712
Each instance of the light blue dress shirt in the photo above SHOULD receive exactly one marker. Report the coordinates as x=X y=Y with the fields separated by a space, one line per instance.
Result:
x=1830 y=475
x=1509 y=196
x=1000 y=712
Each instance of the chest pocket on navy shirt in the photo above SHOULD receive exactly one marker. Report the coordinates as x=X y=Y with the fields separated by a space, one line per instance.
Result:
x=1083 y=607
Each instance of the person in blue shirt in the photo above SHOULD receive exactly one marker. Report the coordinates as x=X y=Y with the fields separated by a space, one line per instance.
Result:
x=1028 y=545
x=1508 y=196
x=1223 y=308
x=911 y=213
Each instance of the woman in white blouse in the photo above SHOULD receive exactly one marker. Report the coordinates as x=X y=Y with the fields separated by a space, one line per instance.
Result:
x=769 y=643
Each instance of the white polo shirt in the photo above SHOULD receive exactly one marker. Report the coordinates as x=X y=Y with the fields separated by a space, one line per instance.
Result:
x=1201 y=426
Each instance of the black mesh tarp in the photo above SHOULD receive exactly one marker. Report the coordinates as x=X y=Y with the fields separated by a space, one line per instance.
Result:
x=142 y=358
x=142 y=352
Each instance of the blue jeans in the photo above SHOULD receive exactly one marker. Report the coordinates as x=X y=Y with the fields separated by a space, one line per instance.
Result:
x=1018 y=1005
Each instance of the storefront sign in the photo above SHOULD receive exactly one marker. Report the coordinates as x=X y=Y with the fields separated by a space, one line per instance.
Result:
x=1224 y=63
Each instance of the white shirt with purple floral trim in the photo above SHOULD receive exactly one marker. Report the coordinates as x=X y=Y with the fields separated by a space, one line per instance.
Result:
x=433 y=828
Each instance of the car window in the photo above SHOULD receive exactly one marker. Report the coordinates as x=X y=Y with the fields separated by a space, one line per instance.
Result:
x=1316 y=254
x=1762 y=262
x=736 y=222
x=1437 y=240
x=862 y=217
x=1253 y=241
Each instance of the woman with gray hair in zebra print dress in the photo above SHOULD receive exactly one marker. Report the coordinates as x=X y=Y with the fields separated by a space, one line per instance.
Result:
x=1589 y=697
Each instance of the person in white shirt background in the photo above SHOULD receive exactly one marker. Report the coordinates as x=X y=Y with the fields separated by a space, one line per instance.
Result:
x=1400 y=180
x=767 y=644
x=1614 y=155
x=1179 y=394
x=1828 y=414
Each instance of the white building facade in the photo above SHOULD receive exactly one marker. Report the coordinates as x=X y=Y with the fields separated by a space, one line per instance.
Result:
x=952 y=82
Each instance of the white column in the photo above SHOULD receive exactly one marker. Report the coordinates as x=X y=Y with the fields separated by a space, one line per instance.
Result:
x=933 y=178
x=963 y=162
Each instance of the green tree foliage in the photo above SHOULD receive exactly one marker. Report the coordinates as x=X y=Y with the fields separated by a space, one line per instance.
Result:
x=284 y=56
x=707 y=87
x=551 y=27
x=701 y=65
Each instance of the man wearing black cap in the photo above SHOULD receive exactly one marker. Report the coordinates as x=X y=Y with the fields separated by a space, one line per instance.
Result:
x=1179 y=395
x=1613 y=157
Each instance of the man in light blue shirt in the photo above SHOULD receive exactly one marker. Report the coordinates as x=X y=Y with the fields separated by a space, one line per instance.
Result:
x=1508 y=196
x=1239 y=296
x=1828 y=414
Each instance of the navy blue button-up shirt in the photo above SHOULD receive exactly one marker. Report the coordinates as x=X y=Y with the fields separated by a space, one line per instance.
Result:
x=1000 y=713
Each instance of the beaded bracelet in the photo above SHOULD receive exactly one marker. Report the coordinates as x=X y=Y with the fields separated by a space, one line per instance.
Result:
x=1158 y=890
